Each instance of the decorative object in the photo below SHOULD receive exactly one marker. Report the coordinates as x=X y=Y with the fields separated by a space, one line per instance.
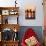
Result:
x=30 y=38
x=15 y=30
x=31 y=41
x=15 y=3
x=13 y=12
x=7 y=34
x=29 y=14
x=5 y=12
x=15 y=34
x=15 y=37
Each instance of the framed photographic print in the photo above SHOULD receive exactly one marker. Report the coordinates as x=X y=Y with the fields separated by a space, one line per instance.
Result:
x=5 y=12
x=30 y=14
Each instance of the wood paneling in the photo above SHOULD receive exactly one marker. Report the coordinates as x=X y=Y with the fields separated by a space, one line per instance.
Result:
x=10 y=43
x=11 y=26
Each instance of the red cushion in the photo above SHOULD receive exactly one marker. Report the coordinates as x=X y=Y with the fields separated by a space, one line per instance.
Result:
x=29 y=33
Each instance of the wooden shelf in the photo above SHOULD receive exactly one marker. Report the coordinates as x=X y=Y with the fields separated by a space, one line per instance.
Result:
x=4 y=24
x=5 y=12
x=9 y=43
x=10 y=26
x=5 y=8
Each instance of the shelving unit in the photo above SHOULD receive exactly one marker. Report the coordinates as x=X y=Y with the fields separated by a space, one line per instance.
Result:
x=5 y=23
x=5 y=12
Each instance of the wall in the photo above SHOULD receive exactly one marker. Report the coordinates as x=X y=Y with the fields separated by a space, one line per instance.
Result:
x=36 y=23
x=39 y=13
x=23 y=4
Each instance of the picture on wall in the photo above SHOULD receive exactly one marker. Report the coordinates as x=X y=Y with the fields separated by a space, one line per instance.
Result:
x=29 y=14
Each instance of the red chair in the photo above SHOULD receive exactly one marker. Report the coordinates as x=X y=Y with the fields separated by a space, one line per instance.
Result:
x=29 y=33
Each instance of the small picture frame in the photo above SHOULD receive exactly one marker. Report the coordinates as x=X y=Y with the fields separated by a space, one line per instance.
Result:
x=5 y=12
x=29 y=14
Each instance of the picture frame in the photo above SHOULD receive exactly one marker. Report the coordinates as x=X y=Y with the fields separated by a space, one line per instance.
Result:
x=29 y=14
x=5 y=12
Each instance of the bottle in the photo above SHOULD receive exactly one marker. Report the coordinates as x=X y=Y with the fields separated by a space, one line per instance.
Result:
x=6 y=21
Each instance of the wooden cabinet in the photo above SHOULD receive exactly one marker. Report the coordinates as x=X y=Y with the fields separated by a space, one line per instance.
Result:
x=7 y=13
x=10 y=43
x=9 y=25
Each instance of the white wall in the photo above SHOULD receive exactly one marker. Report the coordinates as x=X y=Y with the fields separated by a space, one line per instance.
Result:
x=23 y=4
x=39 y=13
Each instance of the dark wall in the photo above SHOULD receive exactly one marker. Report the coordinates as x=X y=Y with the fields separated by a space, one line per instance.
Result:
x=37 y=29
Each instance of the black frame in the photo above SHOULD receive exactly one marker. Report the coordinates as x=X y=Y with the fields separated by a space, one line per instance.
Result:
x=29 y=14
